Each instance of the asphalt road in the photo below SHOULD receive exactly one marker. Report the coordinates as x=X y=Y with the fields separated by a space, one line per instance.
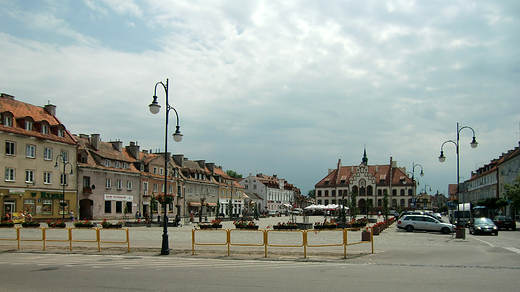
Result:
x=403 y=261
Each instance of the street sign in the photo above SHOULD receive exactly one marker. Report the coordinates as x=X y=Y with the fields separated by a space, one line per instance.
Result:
x=451 y=204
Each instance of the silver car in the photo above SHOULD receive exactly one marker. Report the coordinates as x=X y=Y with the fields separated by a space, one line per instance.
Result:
x=425 y=223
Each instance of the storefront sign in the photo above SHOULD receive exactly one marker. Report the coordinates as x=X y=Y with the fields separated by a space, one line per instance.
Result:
x=124 y=198
x=16 y=191
x=52 y=196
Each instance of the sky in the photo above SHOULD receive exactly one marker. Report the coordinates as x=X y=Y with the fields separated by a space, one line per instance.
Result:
x=278 y=87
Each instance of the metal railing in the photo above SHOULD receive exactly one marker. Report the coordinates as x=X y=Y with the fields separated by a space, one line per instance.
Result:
x=304 y=243
x=67 y=235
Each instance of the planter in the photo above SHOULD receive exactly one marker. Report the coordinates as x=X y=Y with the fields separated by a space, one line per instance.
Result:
x=321 y=227
x=211 y=226
x=459 y=233
x=285 y=227
x=358 y=225
x=6 y=225
x=113 y=226
x=365 y=236
x=247 y=227
x=376 y=230
x=30 y=225
x=84 y=226
x=57 y=226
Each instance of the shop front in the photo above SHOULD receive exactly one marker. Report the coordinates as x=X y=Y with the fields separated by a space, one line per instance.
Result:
x=40 y=204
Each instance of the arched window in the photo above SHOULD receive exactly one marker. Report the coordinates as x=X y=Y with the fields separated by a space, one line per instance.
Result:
x=402 y=192
x=379 y=192
x=326 y=193
x=394 y=203
x=370 y=191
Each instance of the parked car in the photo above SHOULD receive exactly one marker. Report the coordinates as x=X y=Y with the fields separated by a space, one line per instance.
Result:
x=505 y=222
x=483 y=225
x=424 y=222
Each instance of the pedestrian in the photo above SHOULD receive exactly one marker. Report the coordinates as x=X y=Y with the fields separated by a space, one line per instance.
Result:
x=72 y=216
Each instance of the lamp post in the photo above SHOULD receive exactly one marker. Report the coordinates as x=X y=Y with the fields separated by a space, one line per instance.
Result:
x=202 y=199
x=442 y=158
x=177 y=137
x=64 y=180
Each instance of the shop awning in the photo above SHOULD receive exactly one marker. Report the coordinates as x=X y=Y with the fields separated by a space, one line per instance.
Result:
x=194 y=204
x=211 y=204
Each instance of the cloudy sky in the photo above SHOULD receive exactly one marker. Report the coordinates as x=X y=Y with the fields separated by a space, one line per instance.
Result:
x=278 y=87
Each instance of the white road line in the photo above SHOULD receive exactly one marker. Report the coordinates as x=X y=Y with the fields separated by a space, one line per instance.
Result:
x=483 y=241
x=513 y=249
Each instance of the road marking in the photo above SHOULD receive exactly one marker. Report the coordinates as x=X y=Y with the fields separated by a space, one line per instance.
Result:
x=513 y=249
x=483 y=241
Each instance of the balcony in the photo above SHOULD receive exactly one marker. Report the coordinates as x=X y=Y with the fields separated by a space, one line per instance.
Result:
x=87 y=190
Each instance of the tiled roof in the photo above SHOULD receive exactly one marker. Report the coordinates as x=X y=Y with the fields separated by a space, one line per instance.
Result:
x=379 y=172
x=38 y=115
x=106 y=151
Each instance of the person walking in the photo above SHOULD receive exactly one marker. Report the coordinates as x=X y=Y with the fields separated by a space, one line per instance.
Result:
x=72 y=216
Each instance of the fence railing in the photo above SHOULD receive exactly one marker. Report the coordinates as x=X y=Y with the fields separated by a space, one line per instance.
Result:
x=264 y=242
x=67 y=234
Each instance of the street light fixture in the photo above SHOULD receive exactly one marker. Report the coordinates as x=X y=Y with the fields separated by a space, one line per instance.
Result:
x=64 y=180
x=177 y=137
x=442 y=158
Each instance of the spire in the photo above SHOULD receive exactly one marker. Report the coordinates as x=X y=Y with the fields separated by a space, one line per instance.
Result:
x=365 y=158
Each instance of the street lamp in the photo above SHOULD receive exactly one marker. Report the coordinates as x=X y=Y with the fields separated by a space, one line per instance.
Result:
x=177 y=137
x=64 y=180
x=202 y=199
x=442 y=158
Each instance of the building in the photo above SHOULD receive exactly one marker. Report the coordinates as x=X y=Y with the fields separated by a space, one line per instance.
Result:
x=39 y=161
x=369 y=182
x=276 y=194
x=109 y=182
x=230 y=192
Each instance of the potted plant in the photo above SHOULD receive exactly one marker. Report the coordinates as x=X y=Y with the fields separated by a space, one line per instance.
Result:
x=214 y=224
x=359 y=223
x=376 y=229
x=107 y=224
x=55 y=223
x=285 y=226
x=164 y=199
x=6 y=224
x=83 y=224
x=245 y=224
x=30 y=223
x=365 y=235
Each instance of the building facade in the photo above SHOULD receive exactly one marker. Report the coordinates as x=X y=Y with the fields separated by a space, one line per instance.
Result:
x=38 y=160
x=369 y=182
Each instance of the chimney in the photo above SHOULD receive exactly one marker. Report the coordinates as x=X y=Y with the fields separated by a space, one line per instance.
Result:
x=211 y=167
x=84 y=136
x=7 y=96
x=51 y=109
x=118 y=145
x=202 y=163
x=133 y=149
x=95 y=140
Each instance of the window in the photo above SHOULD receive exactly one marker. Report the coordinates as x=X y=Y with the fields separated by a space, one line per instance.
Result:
x=28 y=206
x=108 y=206
x=10 y=148
x=170 y=189
x=47 y=178
x=8 y=121
x=125 y=165
x=64 y=156
x=107 y=163
x=28 y=126
x=29 y=176
x=119 y=207
x=47 y=153
x=161 y=171
x=86 y=182
x=155 y=188
x=9 y=174
x=64 y=180
x=402 y=192
x=108 y=183
x=129 y=207
x=46 y=207
x=119 y=184
x=116 y=164
x=29 y=151
x=155 y=170
x=128 y=185
x=145 y=186
x=45 y=129
x=61 y=133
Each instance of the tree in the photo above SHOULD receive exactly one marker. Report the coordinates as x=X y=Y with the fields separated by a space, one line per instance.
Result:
x=218 y=209
x=230 y=209
x=233 y=174
x=513 y=194
x=353 y=205
x=312 y=193
x=386 y=211
x=370 y=207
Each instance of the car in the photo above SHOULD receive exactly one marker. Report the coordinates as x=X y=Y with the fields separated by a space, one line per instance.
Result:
x=505 y=222
x=483 y=225
x=438 y=216
x=424 y=222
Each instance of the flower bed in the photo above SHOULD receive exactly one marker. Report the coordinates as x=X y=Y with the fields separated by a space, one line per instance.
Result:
x=243 y=224
x=107 y=224
x=55 y=223
x=326 y=225
x=214 y=224
x=83 y=224
x=31 y=223
x=285 y=226
x=7 y=224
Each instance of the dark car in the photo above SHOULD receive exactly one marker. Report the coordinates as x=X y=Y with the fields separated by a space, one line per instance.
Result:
x=483 y=226
x=505 y=222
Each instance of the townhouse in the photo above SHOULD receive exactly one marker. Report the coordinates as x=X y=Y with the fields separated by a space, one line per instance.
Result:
x=39 y=161
x=231 y=193
x=276 y=194
x=369 y=182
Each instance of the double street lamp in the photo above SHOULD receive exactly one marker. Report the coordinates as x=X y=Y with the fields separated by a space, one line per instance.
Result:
x=442 y=158
x=64 y=179
x=177 y=137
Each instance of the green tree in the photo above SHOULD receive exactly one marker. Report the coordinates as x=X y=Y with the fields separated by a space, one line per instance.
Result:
x=353 y=205
x=386 y=211
x=233 y=174
x=218 y=208
x=370 y=206
x=312 y=193
x=230 y=209
x=513 y=194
